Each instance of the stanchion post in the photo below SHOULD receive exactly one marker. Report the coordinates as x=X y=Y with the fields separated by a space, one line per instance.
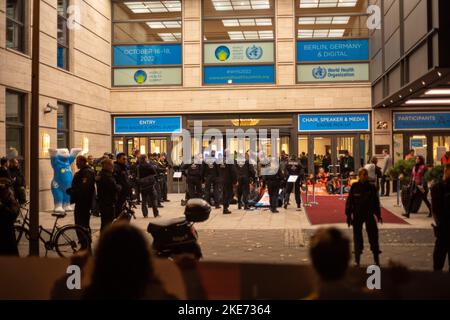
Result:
x=314 y=203
x=398 y=205
x=306 y=204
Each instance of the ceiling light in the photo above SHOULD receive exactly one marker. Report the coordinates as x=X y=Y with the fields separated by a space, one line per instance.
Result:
x=428 y=101
x=438 y=92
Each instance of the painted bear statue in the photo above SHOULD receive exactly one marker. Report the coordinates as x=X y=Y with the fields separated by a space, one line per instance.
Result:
x=61 y=160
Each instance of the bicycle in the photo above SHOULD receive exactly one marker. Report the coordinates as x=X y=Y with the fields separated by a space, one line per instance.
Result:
x=65 y=240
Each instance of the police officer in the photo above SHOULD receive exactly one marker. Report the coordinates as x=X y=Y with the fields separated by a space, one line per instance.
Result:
x=147 y=180
x=210 y=177
x=273 y=176
x=107 y=192
x=166 y=166
x=441 y=210
x=245 y=173
x=227 y=179
x=363 y=205
x=82 y=192
x=294 y=168
x=122 y=177
x=194 y=174
x=159 y=176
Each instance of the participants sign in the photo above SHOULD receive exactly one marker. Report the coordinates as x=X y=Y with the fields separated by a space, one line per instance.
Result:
x=333 y=50
x=239 y=53
x=421 y=120
x=332 y=72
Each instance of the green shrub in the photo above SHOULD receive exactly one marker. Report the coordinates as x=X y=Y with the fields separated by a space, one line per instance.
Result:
x=434 y=174
x=402 y=170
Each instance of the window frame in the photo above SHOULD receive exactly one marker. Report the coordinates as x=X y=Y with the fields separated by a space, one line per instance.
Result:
x=66 y=129
x=17 y=124
x=16 y=24
x=63 y=45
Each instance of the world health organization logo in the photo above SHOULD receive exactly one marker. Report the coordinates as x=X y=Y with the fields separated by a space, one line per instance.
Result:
x=254 y=52
x=140 y=76
x=222 y=53
x=319 y=73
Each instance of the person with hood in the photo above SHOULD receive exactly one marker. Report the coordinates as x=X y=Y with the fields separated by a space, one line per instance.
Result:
x=363 y=207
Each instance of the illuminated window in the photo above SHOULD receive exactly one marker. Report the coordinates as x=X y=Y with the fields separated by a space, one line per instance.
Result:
x=327 y=3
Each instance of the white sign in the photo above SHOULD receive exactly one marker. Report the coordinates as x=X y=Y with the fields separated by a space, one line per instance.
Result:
x=333 y=72
x=147 y=76
x=292 y=179
x=177 y=175
x=238 y=53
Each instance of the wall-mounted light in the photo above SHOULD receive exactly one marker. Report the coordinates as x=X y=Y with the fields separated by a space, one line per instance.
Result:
x=49 y=108
x=85 y=145
x=45 y=144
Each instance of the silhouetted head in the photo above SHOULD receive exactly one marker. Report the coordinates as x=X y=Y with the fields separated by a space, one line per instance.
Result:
x=420 y=160
x=81 y=162
x=363 y=174
x=122 y=264
x=330 y=254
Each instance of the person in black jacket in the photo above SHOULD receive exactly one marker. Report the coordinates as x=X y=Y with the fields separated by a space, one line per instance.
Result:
x=227 y=179
x=159 y=178
x=82 y=192
x=294 y=168
x=273 y=176
x=18 y=181
x=122 y=177
x=4 y=168
x=194 y=174
x=363 y=205
x=147 y=181
x=9 y=210
x=440 y=194
x=245 y=174
x=107 y=193
x=211 y=179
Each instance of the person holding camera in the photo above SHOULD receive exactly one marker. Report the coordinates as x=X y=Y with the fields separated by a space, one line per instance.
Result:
x=440 y=198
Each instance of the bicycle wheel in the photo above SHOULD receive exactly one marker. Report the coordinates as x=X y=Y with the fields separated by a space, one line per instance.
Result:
x=23 y=240
x=71 y=239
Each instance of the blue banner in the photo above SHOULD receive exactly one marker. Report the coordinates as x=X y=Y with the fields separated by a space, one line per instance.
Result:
x=239 y=74
x=138 y=125
x=146 y=55
x=424 y=121
x=334 y=122
x=333 y=50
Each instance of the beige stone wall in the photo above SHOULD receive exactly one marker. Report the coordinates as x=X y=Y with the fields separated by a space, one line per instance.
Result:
x=86 y=86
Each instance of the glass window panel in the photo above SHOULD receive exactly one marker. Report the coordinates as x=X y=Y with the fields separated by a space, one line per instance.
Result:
x=418 y=143
x=14 y=107
x=441 y=144
x=14 y=139
x=322 y=151
x=118 y=145
x=398 y=147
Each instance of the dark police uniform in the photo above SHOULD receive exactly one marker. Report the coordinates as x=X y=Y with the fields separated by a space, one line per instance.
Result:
x=122 y=177
x=294 y=168
x=363 y=205
x=227 y=178
x=194 y=174
x=82 y=194
x=245 y=173
x=159 y=177
x=273 y=178
x=211 y=179
x=107 y=192
x=147 y=181
x=164 y=164
x=441 y=209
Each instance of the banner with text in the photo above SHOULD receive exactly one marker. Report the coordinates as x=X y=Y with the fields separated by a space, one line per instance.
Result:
x=421 y=120
x=333 y=50
x=332 y=72
x=239 y=53
x=239 y=74
x=146 y=55
x=334 y=122
x=139 y=125
x=147 y=76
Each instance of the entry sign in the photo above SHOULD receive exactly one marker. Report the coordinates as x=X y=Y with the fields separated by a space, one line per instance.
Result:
x=424 y=121
x=334 y=122
x=137 y=125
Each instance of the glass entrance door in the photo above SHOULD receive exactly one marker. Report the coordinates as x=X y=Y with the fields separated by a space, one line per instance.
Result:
x=441 y=145
x=322 y=148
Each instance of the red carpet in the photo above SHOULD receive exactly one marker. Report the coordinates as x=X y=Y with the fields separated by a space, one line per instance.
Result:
x=332 y=210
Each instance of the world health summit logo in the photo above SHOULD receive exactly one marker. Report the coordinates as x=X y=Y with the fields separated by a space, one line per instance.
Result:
x=222 y=53
x=254 y=52
x=140 y=76
x=319 y=73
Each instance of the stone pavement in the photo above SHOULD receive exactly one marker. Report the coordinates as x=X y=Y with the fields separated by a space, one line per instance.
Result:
x=260 y=236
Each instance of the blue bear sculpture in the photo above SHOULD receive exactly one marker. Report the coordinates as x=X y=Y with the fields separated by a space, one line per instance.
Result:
x=61 y=161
